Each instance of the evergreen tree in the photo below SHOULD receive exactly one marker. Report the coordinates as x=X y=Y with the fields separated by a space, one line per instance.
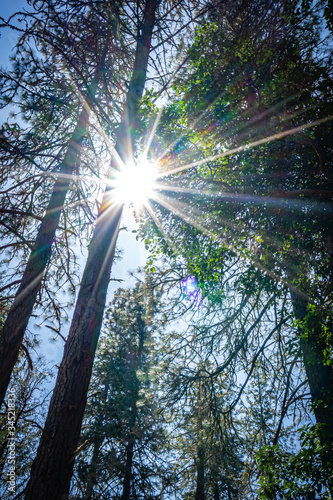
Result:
x=83 y=56
x=124 y=458
x=55 y=457
x=21 y=424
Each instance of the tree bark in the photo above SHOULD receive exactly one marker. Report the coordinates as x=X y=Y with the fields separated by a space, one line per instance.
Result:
x=98 y=441
x=320 y=379
x=23 y=304
x=52 y=469
x=200 y=486
x=128 y=471
x=92 y=476
x=216 y=492
x=133 y=367
x=200 y=489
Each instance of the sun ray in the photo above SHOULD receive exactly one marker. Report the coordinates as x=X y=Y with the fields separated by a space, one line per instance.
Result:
x=116 y=158
x=111 y=147
x=237 y=228
x=113 y=213
x=233 y=130
x=158 y=223
x=184 y=134
x=199 y=225
x=152 y=133
x=250 y=145
x=159 y=115
x=226 y=223
x=110 y=203
x=164 y=201
x=273 y=201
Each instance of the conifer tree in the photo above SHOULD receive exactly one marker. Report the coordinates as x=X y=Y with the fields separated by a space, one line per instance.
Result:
x=58 y=446
x=125 y=451
x=56 y=34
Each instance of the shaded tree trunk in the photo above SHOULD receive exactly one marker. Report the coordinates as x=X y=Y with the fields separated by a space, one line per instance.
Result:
x=216 y=492
x=134 y=366
x=128 y=471
x=200 y=486
x=23 y=304
x=98 y=441
x=200 y=489
x=92 y=476
x=320 y=379
x=52 y=469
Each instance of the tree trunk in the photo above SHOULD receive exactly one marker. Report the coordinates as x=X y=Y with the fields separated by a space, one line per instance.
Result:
x=92 y=476
x=216 y=492
x=200 y=486
x=52 y=469
x=98 y=441
x=133 y=367
x=320 y=379
x=128 y=471
x=200 y=490
x=21 y=309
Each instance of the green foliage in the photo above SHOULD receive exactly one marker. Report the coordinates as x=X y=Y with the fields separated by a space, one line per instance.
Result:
x=123 y=408
x=323 y=334
x=294 y=475
x=268 y=203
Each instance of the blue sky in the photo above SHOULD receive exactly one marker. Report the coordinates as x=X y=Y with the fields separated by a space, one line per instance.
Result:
x=8 y=37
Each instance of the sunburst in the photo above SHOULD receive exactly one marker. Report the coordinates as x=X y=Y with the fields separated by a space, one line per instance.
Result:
x=138 y=183
x=134 y=183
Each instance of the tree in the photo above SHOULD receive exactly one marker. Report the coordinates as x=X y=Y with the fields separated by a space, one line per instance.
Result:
x=55 y=457
x=254 y=393
x=124 y=432
x=212 y=446
x=21 y=425
x=260 y=101
x=49 y=29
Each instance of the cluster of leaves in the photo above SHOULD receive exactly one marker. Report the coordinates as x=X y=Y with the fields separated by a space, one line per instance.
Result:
x=300 y=474
x=246 y=99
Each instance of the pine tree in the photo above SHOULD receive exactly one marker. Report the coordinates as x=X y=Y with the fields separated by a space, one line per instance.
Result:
x=125 y=454
x=21 y=425
x=55 y=457
x=85 y=67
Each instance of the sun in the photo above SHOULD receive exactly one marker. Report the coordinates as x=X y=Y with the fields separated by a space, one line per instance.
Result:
x=134 y=183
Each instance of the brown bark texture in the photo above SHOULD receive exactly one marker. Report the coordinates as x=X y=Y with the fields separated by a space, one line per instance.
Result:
x=52 y=469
